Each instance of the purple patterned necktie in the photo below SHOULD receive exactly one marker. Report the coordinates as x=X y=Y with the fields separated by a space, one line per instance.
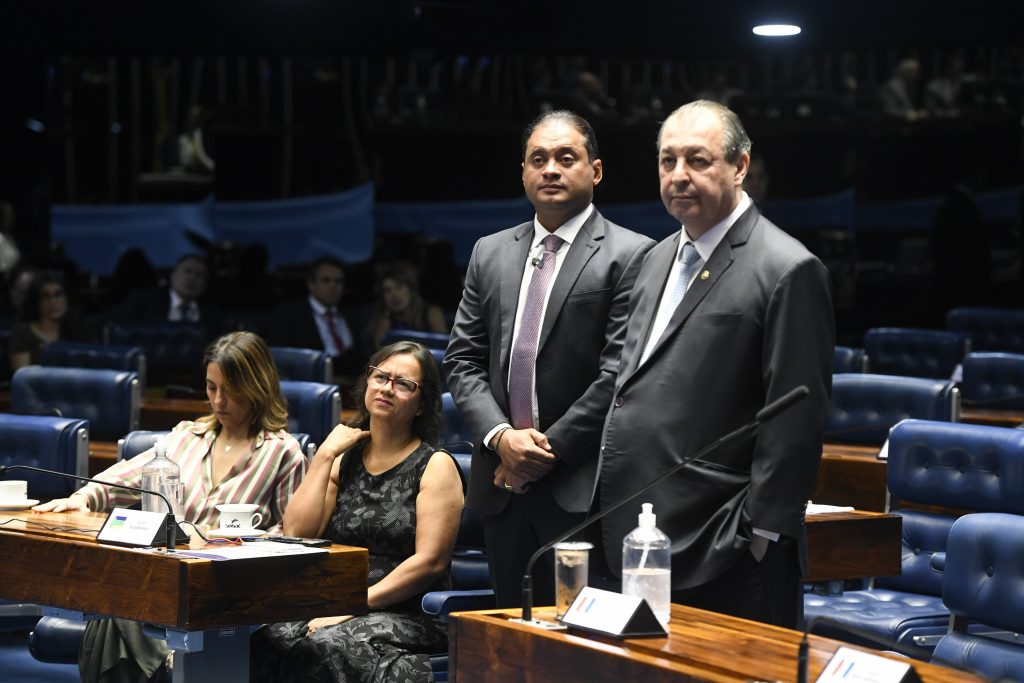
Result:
x=524 y=352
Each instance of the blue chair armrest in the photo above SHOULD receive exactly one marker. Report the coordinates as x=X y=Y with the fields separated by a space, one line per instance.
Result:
x=442 y=603
x=938 y=562
x=55 y=640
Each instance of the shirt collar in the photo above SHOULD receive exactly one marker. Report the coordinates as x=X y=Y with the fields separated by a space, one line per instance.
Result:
x=317 y=307
x=708 y=242
x=177 y=301
x=567 y=230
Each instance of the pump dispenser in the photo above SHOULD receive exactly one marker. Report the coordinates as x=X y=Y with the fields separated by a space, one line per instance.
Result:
x=647 y=563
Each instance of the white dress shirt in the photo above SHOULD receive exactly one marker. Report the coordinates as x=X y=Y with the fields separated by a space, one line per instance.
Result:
x=323 y=327
x=191 y=313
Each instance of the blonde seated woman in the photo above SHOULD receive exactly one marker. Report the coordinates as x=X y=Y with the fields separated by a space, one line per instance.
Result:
x=240 y=453
x=383 y=486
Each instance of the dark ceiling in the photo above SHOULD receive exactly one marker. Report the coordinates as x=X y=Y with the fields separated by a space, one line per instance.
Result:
x=646 y=28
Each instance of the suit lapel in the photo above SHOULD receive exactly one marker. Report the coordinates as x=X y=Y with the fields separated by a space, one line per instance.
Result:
x=583 y=248
x=648 y=296
x=511 y=282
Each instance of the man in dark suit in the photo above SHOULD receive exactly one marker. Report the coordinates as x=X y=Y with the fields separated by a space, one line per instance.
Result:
x=726 y=316
x=182 y=301
x=534 y=352
x=316 y=322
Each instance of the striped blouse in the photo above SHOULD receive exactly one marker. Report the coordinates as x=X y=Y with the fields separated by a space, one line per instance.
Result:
x=268 y=475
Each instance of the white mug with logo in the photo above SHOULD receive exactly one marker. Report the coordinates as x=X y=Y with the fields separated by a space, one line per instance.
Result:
x=239 y=518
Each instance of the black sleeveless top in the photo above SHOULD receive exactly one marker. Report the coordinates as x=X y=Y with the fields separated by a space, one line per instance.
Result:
x=378 y=512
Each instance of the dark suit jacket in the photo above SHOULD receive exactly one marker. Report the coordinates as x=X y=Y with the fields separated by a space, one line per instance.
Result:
x=293 y=324
x=577 y=353
x=757 y=326
x=152 y=305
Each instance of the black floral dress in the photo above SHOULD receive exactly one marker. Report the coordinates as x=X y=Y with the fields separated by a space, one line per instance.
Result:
x=393 y=645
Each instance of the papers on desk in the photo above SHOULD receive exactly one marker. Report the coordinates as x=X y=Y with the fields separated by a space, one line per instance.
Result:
x=817 y=509
x=249 y=551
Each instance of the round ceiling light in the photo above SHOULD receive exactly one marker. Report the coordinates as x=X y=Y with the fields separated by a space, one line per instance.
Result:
x=776 y=30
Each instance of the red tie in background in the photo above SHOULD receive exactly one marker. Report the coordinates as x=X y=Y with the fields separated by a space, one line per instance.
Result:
x=524 y=353
x=334 y=332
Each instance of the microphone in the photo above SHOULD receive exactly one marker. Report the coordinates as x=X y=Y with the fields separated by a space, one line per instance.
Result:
x=914 y=651
x=767 y=413
x=170 y=526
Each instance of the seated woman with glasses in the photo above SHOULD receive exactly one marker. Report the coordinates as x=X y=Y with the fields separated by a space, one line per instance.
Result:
x=381 y=485
x=45 y=316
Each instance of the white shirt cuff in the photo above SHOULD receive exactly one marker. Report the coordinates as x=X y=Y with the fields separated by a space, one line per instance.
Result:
x=491 y=434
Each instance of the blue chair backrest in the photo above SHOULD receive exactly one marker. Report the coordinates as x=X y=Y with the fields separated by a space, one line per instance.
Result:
x=136 y=442
x=432 y=340
x=983 y=572
x=454 y=428
x=990 y=329
x=469 y=559
x=958 y=466
x=303 y=365
x=108 y=399
x=994 y=380
x=68 y=354
x=847 y=359
x=865 y=406
x=52 y=443
x=314 y=408
x=914 y=353
x=168 y=346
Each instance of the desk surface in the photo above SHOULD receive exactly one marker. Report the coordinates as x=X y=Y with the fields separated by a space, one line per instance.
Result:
x=991 y=416
x=851 y=475
x=485 y=647
x=64 y=566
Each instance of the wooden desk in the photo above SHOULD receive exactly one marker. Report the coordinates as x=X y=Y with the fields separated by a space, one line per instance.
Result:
x=205 y=606
x=164 y=413
x=990 y=416
x=851 y=475
x=853 y=545
x=484 y=647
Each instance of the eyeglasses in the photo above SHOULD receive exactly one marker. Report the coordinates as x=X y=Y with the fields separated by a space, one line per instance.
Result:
x=403 y=386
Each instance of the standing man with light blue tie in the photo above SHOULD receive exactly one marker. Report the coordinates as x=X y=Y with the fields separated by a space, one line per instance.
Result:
x=534 y=352
x=727 y=315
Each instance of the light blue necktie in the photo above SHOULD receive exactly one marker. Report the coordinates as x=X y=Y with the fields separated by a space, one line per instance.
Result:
x=690 y=260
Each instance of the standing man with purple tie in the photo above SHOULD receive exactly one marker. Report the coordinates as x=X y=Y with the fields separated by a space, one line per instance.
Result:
x=534 y=353
x=728 y=315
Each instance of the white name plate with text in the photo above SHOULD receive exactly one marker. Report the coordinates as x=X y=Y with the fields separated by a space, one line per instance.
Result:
x=612 y=614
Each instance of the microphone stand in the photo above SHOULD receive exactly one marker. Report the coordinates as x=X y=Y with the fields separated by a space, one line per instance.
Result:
x=763 y=415
x=170 y=525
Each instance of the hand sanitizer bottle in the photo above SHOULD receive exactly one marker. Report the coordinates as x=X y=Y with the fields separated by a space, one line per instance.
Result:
x=647 y=565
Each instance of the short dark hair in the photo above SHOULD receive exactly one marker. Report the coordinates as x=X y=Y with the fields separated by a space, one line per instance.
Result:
x=573 y=119
x=428 y=424
x=30 y=307
x=324 y=261
x=192 y=256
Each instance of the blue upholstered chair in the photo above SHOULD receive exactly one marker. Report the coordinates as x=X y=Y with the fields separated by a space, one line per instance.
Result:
x=990 y=329
x=314 y=408
x=108 y=399
x=865 y=406
x=471 y=587
x=169 y=347
x=982 y=579
x=951 y=466
x=66 y=354
x=847 y=359
x=914 y=353
x=994 y=379
x=303 y=365
x=52 y=443
x=454 y=430
x=432 y=340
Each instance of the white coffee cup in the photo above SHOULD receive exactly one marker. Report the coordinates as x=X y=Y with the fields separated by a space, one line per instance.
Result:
x=13 y=490
x=239 y=518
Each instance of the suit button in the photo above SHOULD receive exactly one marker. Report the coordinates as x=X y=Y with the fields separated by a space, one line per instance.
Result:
x=619 y=401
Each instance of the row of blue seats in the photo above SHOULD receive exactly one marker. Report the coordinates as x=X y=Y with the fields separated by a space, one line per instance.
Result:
x=954 y=566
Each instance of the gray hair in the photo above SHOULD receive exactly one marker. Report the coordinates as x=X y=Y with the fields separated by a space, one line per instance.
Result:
x=735 y=141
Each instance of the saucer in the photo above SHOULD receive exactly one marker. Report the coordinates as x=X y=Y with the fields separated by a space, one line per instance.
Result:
x=233 y=533
x=23 y=504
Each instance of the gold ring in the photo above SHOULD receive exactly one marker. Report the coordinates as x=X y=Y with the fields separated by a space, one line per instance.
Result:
x=508 y=486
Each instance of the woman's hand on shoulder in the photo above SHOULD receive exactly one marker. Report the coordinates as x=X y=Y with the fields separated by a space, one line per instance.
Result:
x=341 y=439
x=71 y=504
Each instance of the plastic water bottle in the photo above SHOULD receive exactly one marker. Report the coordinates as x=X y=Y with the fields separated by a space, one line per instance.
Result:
x=162 y=474
x=647 y=565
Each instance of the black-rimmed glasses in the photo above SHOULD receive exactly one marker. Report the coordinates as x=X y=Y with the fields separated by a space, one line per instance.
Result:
x=403 y=386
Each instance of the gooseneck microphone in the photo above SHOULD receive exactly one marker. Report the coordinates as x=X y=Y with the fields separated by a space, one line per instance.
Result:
x=767 y=413
x=170 y=526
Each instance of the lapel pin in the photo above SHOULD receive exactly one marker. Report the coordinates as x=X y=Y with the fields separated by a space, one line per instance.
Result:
x=705 y=275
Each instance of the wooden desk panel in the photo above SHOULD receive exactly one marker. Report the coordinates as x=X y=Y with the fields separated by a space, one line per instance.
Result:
x=485 y=647
x=70 y=569
x=851 y=475
x=853 y=545
x=997 y=418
